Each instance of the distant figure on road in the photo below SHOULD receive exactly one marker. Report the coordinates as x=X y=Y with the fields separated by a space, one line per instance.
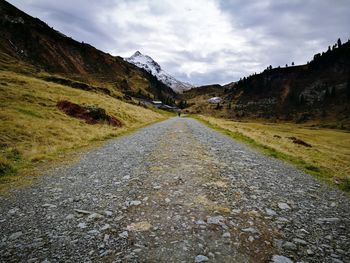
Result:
x=179 y=113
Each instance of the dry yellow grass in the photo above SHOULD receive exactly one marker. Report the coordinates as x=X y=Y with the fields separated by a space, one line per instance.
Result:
x=33 y=129
x=329 y=156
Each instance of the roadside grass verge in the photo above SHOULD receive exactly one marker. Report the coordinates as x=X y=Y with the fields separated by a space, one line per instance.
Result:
x=34 y=131
x=328 y=159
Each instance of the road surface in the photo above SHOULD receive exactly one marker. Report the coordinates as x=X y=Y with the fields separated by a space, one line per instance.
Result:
x=176 y=191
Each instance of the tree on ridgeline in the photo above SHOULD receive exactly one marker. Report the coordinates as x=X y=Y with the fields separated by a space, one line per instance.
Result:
x=339 y=42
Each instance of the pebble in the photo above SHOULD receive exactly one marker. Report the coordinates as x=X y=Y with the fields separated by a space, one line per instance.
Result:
x=284 y=206
x=84 y=212
x=69 y=217
x=328 y=220
x=289 y=246
x=215 y=220
x=82 y=225
x=95 y=216
x=105 y=227
x=108 y=213
x=281 y=259
x=270 y=212
x=226 y=235
x=135 y=203
x=299 y=241
x=15 y=235
x=49 y=205
x=201 y=258
x=250 y=230
x=124 y=234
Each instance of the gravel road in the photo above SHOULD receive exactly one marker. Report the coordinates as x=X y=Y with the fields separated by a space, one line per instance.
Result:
x=175 y=191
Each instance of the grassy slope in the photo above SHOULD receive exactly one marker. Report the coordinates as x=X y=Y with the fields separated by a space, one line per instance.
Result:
x=328 y=159
x=33 y=130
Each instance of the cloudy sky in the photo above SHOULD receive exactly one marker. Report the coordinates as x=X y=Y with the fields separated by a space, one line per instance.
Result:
x=202 y=41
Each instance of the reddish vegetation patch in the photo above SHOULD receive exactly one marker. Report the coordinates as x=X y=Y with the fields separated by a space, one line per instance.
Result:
x=91 y=114
x=300 y=142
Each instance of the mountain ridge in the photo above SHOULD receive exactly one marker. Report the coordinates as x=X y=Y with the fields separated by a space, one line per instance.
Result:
x=151 y=66
x=31 y=41
x=316 y=91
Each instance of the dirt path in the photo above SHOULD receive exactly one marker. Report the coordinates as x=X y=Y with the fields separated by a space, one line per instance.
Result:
x=176 y=191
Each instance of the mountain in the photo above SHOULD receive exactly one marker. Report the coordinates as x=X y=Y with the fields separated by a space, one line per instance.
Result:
x=151 y=66
x=317 y=91
x=28 y=40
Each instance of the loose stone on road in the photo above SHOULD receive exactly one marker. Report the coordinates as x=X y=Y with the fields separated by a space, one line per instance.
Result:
x=175 y=191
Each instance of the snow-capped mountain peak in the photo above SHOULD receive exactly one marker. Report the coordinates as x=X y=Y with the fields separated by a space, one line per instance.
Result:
x=151 y=66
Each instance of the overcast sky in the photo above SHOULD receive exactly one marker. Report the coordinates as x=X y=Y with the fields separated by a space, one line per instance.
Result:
x=202 y=41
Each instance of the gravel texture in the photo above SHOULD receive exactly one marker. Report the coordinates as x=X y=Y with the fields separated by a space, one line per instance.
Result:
x=175 y=191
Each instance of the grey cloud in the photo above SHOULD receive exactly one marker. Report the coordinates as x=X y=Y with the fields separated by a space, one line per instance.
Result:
x=259 y=33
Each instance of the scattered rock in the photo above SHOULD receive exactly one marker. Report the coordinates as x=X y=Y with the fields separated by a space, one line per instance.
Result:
x=250 y=230
x=108 y=213
x=105 y=227
x=94 y=232
x=200 y=222
x=106 y=238
x=215 y=220
x=299 y=241
x=280 y=259
x=124 y=234
x=328 y=220
x=49 y=205
x=134 y=203
x=284 y=206
x=13 y=211
x=15 y=235
x=270 y=212
x=289 y=246
x=84 y=212
x=69 y=217
x=201 y=258
x=226 y=235
x=82 y=225
x=95 y=216
x=251 y=238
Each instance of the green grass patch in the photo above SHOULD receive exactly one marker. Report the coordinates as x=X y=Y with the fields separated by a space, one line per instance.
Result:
x=29 y=113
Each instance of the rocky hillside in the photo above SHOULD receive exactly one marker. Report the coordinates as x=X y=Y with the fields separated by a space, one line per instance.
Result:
x=32 y=41
x=318 y=90
x=147 y=63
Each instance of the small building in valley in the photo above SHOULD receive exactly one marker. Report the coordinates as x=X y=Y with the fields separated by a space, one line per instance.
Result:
x=215 y=100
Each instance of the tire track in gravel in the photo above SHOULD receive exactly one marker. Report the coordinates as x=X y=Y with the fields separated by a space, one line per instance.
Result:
x=175 y=191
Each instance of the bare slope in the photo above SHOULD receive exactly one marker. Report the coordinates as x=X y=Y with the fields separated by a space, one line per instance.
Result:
x=319 y=90
x=33 y=128
x=31 y=40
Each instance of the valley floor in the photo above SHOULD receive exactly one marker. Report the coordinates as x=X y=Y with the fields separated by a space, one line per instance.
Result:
x=327 y=157
x=176 y=191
